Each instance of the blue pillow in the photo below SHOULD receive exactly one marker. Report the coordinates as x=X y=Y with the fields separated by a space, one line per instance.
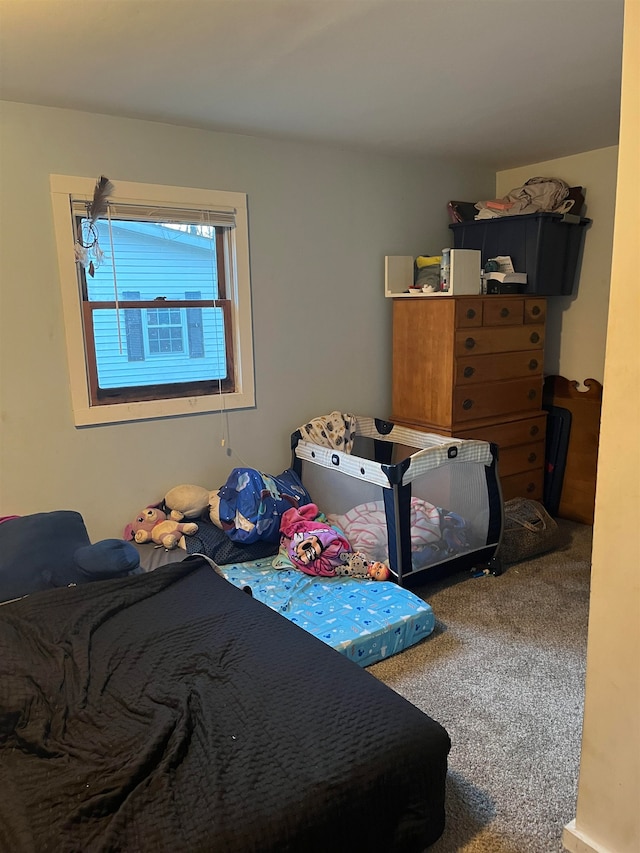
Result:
x=108 y=558
x=51 y=549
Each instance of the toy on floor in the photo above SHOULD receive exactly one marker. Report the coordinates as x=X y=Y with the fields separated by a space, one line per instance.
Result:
x=152 y=525
x=317 y=548
x=312 y=545
x=357 y=565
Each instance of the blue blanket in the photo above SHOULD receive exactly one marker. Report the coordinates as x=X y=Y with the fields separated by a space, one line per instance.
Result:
x=252 y=503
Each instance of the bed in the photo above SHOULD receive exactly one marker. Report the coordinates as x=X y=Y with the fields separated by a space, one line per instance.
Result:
x=170 y=711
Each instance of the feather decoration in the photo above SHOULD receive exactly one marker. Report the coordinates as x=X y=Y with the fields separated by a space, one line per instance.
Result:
x=101 y=193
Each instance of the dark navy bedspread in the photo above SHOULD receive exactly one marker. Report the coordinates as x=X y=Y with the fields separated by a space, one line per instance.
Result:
x=171 y=712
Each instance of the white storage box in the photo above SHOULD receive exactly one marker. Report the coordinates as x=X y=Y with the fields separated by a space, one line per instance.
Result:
x=464 y=275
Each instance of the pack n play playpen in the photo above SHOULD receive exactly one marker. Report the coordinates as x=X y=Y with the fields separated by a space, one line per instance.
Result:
x=420 y=502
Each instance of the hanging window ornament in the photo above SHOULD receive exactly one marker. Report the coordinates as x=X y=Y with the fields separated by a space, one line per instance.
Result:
x=87 y=246
x=101 y=193
x=82 y=255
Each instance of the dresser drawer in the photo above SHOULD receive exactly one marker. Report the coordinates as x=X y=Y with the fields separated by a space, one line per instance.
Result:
x=485 y=340
x=521 y=457
x=474 y=402
x=529 y=484
x=491 y=368
x=468 y=313
x=535 y=310
x=498 y=311
x=523 y=431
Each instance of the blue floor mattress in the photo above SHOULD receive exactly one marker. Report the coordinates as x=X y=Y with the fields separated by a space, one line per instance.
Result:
x=366 y=621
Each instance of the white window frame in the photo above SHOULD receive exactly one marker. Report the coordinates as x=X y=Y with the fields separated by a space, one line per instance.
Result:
x=65 y=187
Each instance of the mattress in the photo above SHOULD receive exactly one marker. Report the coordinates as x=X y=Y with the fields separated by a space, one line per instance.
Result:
x=366 y=621
x=170 y=712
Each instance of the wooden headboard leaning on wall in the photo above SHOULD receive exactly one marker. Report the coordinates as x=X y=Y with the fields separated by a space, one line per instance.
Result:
x=578 y=495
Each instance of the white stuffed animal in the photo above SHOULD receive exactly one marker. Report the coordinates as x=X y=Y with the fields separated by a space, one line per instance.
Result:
x=187 y=501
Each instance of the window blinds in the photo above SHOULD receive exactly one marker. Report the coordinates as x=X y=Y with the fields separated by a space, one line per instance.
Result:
x=221 y=216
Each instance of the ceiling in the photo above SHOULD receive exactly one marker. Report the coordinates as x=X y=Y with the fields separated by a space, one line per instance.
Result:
x=501 y=82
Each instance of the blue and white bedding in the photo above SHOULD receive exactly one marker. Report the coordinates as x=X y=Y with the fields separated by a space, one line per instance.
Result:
x=366 y=621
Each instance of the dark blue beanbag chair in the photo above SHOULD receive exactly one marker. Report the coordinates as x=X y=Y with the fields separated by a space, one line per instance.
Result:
x=51 y=549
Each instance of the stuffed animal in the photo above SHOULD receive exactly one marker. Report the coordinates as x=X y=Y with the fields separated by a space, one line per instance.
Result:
x=152 y=525
x=357 y=565
x=187 y=501
x=193 y=502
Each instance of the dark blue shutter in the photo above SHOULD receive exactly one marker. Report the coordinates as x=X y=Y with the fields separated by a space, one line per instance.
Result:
x=133 y=328
x=195 y=332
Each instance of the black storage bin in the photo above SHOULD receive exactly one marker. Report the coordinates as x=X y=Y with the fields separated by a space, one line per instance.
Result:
x=544 y=245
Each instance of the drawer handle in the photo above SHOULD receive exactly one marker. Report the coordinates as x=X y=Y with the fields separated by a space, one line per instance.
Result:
x=469 y=371
x=533 y=364
x=532 y=394
x=469 y=343
x=532 y=457
x=535 y=310
x=534 y=430
x=471 y=313
x=534 y=338
x=467 y=404
x=531 y=487
x=504 y=312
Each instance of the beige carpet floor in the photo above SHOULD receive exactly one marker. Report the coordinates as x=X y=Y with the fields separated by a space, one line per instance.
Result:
x=504 y=673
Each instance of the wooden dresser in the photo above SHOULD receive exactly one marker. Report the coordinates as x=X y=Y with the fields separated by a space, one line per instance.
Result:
x=472 y=367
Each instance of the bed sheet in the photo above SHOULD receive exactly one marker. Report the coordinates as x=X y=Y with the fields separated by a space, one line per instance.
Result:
x=366 y=621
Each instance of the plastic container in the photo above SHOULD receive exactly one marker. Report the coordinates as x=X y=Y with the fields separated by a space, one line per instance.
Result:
x=546 y=246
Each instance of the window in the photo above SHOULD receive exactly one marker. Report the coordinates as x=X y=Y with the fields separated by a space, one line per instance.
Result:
x=156 y=300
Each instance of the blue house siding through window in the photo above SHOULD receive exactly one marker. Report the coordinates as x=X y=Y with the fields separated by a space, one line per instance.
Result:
x=156 y=261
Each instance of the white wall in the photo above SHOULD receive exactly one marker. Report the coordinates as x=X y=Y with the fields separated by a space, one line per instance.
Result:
x=608 y=813
x=577 y=324
x=321 y=220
